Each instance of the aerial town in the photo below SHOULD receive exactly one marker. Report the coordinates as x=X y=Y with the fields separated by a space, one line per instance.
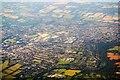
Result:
x=60 y=41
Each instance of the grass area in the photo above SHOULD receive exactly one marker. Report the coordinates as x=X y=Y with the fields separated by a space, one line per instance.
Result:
x=32 y=36
x=92 y=76
x=8 y=41
x=4 y=74
x=75 y=61
x=66 y=61
x=21 y=20
x=86 y=76
x=80 y=53
x=89 y=61
x=74 y=52
x=17 y=72
x=68 y=16
x=29 y=78
x=8 y=71
x=115 y=48
x=43 y=35
x=69 y=51
x=5 y=64
x=71 y=72
x=36 y=61
x=59 y=70
x=42 y=14
x=45 y=74
x=15 y=67
x=63 y=62
x=79 y=75
x=9 y=77
x=1 y=67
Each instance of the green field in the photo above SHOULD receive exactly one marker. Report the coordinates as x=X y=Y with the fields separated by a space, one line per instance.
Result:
x=68 y=16
x=63 y=62
x=59 y=70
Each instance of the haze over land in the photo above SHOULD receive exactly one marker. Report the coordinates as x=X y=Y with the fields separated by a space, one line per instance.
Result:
x=51 y=40
x=60 y=0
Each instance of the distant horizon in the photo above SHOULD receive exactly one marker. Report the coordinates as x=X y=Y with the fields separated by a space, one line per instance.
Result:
x=59 y=1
